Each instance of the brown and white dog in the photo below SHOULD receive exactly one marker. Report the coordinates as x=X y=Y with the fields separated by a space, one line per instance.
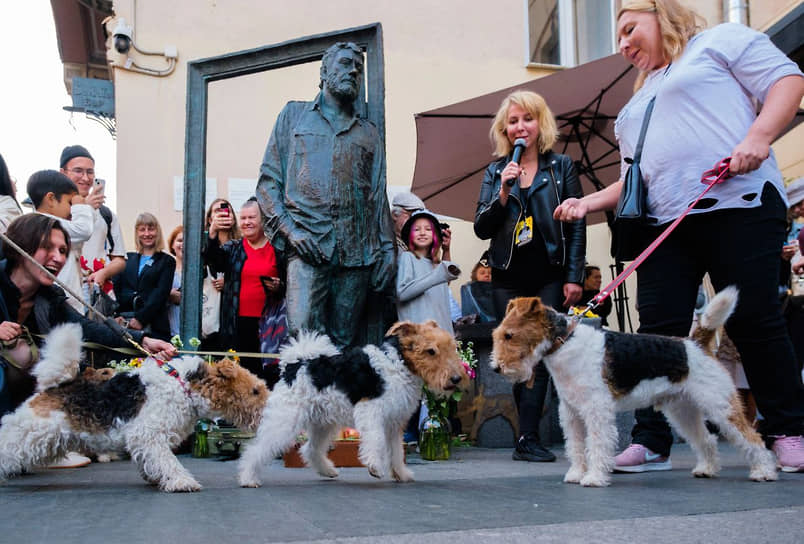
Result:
x=598 y=373
x=146 y=412
x=372 y=388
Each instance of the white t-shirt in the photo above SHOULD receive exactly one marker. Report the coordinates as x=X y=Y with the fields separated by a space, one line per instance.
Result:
x=705 y=103
x=96 y=246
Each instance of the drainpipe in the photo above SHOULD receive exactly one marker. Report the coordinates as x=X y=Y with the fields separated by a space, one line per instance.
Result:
x=735 y=11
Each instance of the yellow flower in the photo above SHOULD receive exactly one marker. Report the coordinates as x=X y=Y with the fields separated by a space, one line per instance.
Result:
x=234 y=357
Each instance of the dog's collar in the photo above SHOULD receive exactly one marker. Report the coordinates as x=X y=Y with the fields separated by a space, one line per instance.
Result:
x=171 y=371
x=561 y=340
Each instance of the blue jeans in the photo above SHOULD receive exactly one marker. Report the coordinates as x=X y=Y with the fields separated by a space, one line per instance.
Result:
x=740 y=247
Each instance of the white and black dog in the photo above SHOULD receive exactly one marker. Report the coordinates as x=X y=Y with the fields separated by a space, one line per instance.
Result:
x=598 y=373
x=146 y=411
x=374 y=389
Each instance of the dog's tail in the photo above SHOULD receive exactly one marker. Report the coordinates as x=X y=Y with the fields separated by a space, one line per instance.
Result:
x=715 y=315
x=60 y=356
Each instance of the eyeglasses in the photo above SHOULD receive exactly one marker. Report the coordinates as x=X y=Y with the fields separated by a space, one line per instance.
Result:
x=81 y=171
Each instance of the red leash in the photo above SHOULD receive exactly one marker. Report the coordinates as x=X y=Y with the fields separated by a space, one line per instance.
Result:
x=718 y=174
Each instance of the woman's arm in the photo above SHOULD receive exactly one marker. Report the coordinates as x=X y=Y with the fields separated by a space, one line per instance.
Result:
x=123 y=288
x=573 y=209
x=490 y=213
x=576 y=233
x=780 y=106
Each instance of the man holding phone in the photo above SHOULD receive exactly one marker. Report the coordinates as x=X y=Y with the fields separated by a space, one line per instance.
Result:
x=104 y=254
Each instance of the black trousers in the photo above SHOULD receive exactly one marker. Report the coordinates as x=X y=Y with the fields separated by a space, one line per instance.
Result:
x=530 y=401
x=738 y=247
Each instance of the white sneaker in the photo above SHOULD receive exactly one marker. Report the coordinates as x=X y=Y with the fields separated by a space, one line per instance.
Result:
x=71 y=460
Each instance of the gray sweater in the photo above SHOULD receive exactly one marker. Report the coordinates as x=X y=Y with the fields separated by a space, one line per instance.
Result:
x=422 y=292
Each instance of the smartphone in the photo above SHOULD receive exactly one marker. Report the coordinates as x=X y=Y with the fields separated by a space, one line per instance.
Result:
x=98 y=186
x=224 y=207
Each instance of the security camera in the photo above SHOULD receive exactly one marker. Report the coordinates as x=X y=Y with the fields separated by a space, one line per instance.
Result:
x=122 y=36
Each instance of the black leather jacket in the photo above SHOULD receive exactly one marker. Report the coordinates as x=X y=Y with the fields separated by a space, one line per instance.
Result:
x=555 y=181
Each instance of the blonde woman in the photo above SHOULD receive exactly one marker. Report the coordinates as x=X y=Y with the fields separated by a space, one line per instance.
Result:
x=530 y=253
x=706 y=85
x=143 y=287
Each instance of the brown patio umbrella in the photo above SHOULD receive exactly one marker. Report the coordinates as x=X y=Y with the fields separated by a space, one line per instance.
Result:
x=453 y=146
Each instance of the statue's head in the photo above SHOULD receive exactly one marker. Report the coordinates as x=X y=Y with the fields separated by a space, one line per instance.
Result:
x=342 y=70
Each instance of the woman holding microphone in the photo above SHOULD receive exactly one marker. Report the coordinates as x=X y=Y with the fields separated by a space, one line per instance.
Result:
x=530 y=253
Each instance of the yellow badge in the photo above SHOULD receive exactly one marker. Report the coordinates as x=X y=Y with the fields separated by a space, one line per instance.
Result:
x=524 y=231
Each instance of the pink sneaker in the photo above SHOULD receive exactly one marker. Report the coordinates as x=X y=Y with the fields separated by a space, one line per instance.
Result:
x=789 y=452
x=638 y=458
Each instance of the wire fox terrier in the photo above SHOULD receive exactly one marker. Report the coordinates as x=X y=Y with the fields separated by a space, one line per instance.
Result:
x=374 y=389
x=598 y=373
x=147 y=411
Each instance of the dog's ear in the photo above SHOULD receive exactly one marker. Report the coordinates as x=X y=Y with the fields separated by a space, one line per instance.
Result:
x=534 y=306
x=402 y=329
x=226 y=368
x=511 y=306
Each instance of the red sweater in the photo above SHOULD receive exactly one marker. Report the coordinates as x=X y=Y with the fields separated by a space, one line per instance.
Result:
x=259 y=262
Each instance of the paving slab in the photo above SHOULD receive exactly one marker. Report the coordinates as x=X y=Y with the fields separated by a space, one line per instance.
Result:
x=480 y=495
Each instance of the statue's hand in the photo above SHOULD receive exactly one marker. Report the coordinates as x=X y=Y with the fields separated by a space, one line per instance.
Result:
x=383 y=274
x=308 y=250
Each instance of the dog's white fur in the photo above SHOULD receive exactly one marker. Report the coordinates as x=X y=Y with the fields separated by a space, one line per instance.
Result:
x=588 y=407
x=30 y=438
x=301 y=406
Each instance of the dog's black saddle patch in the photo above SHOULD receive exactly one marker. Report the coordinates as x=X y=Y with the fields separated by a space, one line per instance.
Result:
x=632 y=358
x=100 y=404
x=289 y=374
x=350 y=372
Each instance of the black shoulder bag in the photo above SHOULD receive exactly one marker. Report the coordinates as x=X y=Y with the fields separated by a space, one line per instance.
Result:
x=628 y=233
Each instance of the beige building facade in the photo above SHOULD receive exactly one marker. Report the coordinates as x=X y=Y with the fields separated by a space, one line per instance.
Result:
x=435 y=53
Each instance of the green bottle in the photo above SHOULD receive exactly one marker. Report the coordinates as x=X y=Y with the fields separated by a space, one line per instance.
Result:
x=200 y=444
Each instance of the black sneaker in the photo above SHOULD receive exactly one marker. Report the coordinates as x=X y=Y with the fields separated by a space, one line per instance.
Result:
x=532 y=451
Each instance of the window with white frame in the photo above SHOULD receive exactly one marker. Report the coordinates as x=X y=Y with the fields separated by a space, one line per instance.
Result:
x=570 y=32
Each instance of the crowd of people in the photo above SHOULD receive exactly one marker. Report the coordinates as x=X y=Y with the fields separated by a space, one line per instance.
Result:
x=531 y=210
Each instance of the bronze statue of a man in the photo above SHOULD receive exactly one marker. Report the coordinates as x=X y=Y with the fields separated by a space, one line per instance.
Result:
x=322 y=189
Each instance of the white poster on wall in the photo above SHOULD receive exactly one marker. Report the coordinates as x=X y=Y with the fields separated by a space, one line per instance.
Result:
x=240 y=190
x=178 y=193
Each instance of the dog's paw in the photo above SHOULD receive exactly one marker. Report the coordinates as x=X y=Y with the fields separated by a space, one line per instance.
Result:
x=328 y=472
x=402 y=475
x=573 y=476
x=763 y=474
x=180 y=485
x=704 y=471
x=249 y=479
x=595 y=480
x=375 y=472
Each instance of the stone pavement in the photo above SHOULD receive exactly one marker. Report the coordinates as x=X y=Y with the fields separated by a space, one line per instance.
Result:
x=478 y=496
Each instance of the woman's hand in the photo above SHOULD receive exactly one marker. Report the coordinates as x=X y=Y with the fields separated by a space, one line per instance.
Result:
x=9 y=330
x=271 y=285
x=446 y=240
x=159 y=348
x=221 y=220
x=789 y=250
x=217 y=283
x=572 y=209
x=175 y=296
x=798 y=266
x=572 y=294
x=748 y=155
x=512 y=171
x=133 y=323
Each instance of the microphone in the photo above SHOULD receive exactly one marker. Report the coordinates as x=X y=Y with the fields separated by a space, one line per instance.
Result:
x=519 y=148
